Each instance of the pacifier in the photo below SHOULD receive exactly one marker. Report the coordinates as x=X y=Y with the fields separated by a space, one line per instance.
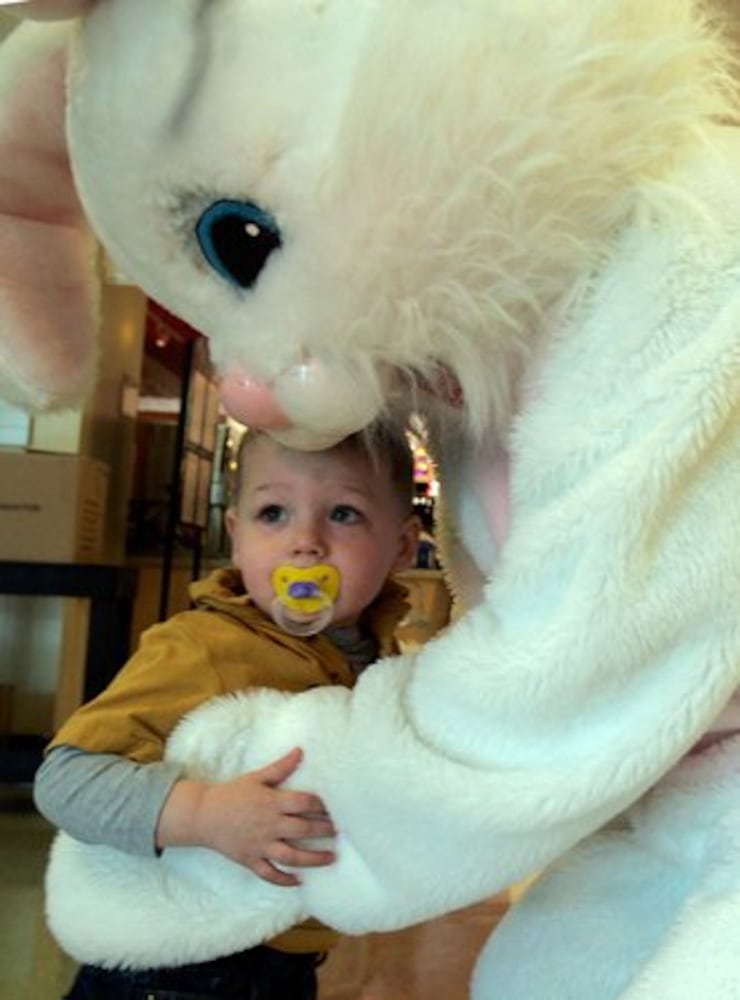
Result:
x=304 y=598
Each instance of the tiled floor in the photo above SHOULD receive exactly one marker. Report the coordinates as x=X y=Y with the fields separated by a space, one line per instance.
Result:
x=430 y=962
x=32 y=967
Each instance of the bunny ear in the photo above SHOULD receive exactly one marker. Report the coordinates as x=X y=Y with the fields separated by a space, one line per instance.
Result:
x=48 y=284
x=46 y=10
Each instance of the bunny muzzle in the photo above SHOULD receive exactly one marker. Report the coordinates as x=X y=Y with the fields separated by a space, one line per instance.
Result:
x=311 y=405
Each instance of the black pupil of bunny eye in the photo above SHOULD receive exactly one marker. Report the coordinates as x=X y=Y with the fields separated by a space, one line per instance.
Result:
x=237 y=238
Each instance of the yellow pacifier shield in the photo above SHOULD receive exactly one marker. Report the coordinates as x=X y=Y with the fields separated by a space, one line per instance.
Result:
x=308 y=589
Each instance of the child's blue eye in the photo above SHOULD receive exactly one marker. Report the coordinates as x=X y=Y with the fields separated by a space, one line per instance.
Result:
x=344 y=514
x=236 y=238
x=272 y=514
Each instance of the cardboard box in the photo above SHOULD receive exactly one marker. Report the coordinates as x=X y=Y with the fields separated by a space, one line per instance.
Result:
x=52 y=507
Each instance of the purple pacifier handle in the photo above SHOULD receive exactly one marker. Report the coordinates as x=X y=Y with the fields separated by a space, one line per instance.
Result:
x=303 y=588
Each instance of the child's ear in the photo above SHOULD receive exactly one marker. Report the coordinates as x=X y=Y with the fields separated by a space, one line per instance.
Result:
x=231 y=519
x=408 y=543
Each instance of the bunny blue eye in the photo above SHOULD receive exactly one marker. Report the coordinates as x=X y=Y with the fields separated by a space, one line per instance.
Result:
x=236 y=238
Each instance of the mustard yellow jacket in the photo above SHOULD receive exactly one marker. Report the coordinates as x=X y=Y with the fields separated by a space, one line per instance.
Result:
x=225 y=644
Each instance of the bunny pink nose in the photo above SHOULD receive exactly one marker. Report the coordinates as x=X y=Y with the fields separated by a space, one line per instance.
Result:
x=309 y=406
x=251 y=402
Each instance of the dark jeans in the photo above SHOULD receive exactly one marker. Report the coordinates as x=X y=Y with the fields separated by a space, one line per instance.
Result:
x=258 y=974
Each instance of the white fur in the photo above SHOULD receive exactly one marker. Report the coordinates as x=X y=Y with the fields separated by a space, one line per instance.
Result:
x=607 y=642
x=532 y=195
x=438 y=211
x=648 y=909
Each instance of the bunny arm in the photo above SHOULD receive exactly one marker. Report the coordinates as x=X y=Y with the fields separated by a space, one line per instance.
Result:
x=47 y=352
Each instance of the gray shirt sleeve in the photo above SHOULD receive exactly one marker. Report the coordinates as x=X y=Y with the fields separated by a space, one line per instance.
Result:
x=103 y=798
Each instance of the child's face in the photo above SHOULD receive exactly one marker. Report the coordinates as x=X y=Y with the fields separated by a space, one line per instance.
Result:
x=304 y=508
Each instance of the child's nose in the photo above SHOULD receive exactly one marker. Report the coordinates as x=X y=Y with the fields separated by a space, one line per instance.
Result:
x=308 y=540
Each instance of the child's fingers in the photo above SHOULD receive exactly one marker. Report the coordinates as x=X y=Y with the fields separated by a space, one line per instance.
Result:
x=306 y=804
x=306 y=828
x=283 y=852
x=280 y=769
x=265 y=870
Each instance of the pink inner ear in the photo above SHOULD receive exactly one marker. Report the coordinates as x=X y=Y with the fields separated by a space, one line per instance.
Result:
x=47 y=10
x=47 y=314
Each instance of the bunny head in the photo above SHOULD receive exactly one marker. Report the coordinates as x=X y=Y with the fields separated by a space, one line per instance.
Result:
x=363 y=204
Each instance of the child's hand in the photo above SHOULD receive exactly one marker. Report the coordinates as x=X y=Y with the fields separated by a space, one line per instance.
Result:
x=250 y=820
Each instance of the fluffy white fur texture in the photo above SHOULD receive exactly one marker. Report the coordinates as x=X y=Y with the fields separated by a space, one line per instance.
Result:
x=534 y=197
x=433 y=213
x=607 y=641
x=436 y=213
x=649 y=909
